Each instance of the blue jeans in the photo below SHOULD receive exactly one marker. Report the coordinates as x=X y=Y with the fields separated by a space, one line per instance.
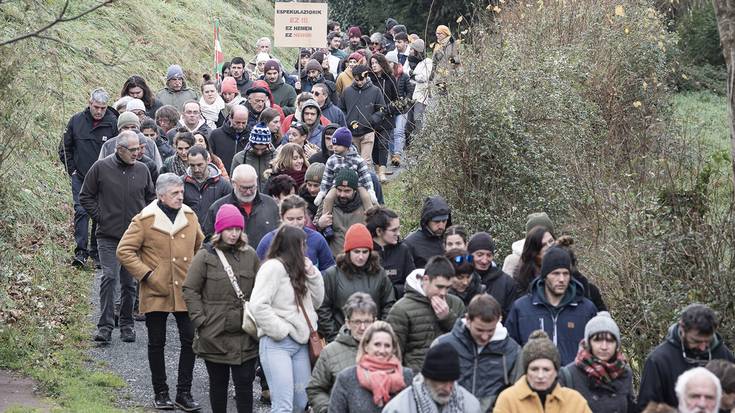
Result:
x=81 y=223
x=114 y=274
x=399 y=134
x=288 y=370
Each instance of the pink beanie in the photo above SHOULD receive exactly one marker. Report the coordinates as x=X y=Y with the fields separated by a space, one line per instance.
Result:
x=228 y=216
x=229 y=85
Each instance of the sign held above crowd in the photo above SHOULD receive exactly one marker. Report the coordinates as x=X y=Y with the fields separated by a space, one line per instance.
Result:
x=299 y=24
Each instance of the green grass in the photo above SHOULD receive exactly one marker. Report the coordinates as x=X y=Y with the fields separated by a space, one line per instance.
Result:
x=44 y=327
x=704 y=115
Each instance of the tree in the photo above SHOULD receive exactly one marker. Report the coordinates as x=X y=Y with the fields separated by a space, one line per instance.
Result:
x=725 y=12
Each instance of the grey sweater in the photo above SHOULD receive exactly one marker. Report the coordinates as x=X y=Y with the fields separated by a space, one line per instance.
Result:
x=349 y=396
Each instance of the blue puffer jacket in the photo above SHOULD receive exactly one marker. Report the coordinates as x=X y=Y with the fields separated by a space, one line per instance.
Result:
x=564 y=324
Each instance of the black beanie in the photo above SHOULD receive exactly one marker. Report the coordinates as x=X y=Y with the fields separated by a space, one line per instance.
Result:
x=555 y=257
x=481 y=241
x=441 y=363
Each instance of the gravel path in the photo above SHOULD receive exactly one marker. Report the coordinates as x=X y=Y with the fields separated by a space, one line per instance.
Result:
x=130 y=361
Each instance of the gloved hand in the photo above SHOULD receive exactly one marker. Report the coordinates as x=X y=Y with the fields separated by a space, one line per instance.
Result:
x=319 y=198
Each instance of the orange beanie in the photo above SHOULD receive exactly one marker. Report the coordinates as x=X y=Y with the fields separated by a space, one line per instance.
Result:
x=358 y=236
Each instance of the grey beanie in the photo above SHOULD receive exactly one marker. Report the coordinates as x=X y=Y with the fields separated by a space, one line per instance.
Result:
x=315 y=172
x=539 y=219
x=602 y=323
x=174 y=71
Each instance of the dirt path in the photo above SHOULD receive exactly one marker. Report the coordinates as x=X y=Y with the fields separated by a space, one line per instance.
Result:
x=18 y=391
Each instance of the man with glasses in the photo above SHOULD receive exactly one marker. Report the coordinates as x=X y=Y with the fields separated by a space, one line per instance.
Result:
x=691 y=342
x=80 y=147
x=328 y=109
x=115 y=189
x=176 y=93
x=259 y=211
x=487 y=355
x=497 y=283
x=555 y=304
x=192 y=120
x=127 y=121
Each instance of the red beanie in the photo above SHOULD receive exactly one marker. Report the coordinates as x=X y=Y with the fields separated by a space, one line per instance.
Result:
x=229 y=85
x=358 y=236
x=228 y=216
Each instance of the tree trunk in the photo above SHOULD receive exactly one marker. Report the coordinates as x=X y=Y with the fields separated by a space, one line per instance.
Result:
x=725 y=12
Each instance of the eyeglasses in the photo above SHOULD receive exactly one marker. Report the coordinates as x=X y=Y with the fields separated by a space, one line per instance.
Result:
x=361 y=322
x=134 y=150
x=247 y=188
x=459 y=259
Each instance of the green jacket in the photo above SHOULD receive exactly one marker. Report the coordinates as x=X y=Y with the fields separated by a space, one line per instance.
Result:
x=214 y=308
x=416 y=325
x=336 y=356
x=338 y=287
x=260 y=163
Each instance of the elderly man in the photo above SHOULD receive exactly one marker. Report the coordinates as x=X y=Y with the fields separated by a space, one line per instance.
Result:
x=436 y=387
x=262 y=45
x=232 y=137
x=260 y=211
x=176 y=93
x=83 y=138
x=157 y=249
x=115 y=189
x=698 y=391
x=257 y=101
x=129 y=122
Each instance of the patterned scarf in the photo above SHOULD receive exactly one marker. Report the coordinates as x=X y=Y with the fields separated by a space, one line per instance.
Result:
x=382 y=378
x=602 y=372
x=425 y=404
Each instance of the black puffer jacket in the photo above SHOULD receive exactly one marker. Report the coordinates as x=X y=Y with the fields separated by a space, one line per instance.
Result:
x=83 y=141
x=422 y=243
x=397 y=262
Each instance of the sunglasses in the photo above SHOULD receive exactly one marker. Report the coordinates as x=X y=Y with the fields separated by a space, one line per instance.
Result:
x=459 y=259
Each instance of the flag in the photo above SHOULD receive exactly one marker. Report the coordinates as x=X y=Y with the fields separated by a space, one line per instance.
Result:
x=219 y=57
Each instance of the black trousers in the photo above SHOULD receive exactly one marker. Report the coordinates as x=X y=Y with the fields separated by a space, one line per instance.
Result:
x=243 y=376
x=156 y=324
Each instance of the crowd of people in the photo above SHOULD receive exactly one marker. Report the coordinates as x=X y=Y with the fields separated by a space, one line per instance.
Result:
x=253 y=213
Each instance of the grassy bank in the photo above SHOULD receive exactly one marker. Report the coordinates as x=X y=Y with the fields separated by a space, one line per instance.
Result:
x=44 y=304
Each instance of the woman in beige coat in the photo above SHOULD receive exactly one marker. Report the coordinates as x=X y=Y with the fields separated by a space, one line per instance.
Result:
x=157 y=249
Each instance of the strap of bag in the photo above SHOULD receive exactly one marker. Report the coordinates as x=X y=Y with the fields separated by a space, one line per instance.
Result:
x=230 y=274
x=301 y=306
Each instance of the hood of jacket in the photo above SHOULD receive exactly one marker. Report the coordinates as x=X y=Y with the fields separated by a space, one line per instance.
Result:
x=311 y=103
x=413 y=281
x=345 y=337
x=498 y=342
x=434 y=206
x=673 y=338
x=573 y=295
x=517 y=247
x=264 y=84
x=214 y=174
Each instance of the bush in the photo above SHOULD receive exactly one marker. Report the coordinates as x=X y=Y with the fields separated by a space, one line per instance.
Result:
x=700 y=40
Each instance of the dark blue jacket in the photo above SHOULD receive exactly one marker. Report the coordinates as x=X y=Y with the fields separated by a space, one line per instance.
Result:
x=334 y=114
x=317 y=248
x=564 y=324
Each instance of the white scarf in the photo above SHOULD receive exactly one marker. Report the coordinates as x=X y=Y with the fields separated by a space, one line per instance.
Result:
x=211 y=112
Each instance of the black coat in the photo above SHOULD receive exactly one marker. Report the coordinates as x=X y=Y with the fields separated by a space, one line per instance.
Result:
x=200 y=196
x=502 y=287
x=82 y=141
x=422 y=243
x=263 y=218
x=114 y=192
x=364 y=105
x=617 y=397
x=665 y=364
x=397 y=262
x=476 y=287
x=225 y=142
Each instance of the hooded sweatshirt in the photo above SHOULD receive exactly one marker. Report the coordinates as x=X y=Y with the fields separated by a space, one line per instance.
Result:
x=423 y=243
x=666 y=363
x=315 y=130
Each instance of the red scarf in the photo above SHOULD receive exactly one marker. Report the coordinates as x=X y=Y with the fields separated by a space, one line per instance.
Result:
x=602 y=372
x=381 y=377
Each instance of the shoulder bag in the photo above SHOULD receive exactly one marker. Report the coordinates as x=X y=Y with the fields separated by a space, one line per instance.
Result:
x=316 y=342
x=248 y=322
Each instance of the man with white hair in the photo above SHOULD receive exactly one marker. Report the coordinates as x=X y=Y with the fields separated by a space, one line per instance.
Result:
x=698 y=391
x=262 y=45
x=115 y=189
x=259 y=211
x=157 y=249
x=83 y=138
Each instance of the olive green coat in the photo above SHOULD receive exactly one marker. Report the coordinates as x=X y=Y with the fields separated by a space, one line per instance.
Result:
x=336 y=356
x=214 y=308
x=416 y=325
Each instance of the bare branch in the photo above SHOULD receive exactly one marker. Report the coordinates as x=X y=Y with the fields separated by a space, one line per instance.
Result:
x=59 y=19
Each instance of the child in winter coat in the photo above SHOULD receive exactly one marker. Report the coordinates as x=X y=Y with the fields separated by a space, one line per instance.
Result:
x=345 y=156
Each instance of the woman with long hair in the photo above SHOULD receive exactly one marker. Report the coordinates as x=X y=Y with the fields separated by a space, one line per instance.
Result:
x=538 y=240
x=358 y=269
x=212 y=302
x=288 y=289
x=381 y=75
x=292 y=161
x=137 y=88
x=377 y=377
x=395 y=257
